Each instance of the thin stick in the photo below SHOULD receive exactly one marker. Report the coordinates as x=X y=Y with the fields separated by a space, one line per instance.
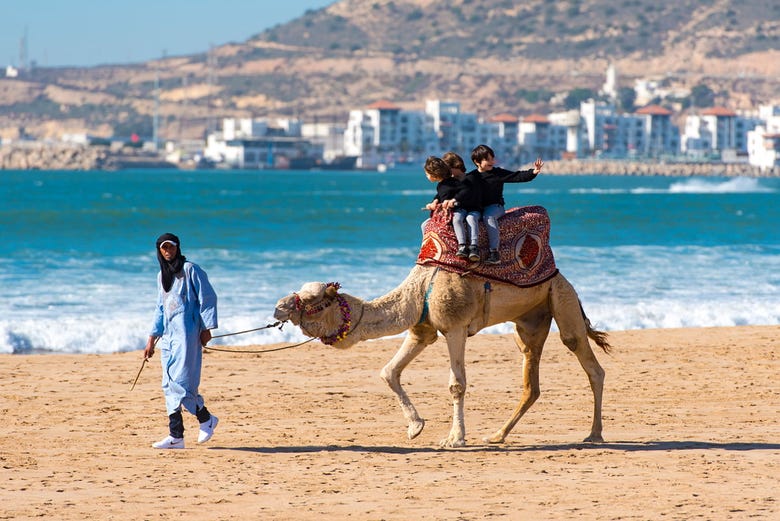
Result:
x=139 y=374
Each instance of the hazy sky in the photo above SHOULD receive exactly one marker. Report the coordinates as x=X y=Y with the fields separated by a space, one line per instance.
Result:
x=91 y=32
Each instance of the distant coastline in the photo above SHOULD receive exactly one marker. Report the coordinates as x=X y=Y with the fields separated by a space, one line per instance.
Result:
x=78 y=157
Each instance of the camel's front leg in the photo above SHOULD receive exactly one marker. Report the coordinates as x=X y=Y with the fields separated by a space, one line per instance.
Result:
x=456 y=344
x=412 y=346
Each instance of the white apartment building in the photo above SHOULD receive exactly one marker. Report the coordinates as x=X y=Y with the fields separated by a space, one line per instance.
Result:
x=328 y=135
x=260 y=143
x=502 y=134
x=385 y=134
x=662 y=137
x=244 y=128
x=716 y=132
x=539 y=137
x=764 y=139
x=605 y=133
x=648 y=132
x=455 y=130
x=570 y=121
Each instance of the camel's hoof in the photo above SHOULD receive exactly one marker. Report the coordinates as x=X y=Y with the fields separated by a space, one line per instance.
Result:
x=593 y=439
x=496 y=438
x=415 y=428
x=453 y=443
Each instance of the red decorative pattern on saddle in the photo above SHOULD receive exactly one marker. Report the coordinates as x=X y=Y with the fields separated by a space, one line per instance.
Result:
x=526 y=256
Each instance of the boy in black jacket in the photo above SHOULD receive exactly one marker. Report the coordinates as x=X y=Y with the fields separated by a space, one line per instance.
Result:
x=493 y=179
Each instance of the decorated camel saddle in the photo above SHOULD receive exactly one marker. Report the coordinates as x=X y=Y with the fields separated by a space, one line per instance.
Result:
x=526 y=256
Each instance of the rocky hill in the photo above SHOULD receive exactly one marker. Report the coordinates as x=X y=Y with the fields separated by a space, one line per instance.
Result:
x=493 y=55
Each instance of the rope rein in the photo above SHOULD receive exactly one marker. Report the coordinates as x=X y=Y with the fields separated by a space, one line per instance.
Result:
x=255 y=351
x=277 y=323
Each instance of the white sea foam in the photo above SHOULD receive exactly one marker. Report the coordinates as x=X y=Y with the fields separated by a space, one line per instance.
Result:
x=737 y=185
x=731 y=186
x=97 y=306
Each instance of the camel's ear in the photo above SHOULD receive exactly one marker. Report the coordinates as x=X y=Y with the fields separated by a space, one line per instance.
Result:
x=331 y=291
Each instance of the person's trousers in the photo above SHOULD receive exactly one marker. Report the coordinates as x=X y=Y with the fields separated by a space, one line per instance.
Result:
x=176 y=421
x=472 y=220
x=490 y=215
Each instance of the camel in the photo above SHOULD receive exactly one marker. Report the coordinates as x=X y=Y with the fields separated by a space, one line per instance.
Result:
x=432 y=301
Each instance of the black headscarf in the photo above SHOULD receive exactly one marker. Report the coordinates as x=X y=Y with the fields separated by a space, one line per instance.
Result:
x=169 y=269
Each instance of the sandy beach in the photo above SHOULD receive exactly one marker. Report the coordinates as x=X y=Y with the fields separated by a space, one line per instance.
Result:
x=691 y=425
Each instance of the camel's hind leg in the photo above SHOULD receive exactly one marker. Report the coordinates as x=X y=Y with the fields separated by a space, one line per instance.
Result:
x=569 y=316
x=417 y=340
x=530 y=334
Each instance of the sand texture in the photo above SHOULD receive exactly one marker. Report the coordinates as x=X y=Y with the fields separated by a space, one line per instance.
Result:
x=691 y=423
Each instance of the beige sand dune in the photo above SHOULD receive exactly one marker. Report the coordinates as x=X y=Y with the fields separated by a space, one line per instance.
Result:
x=691 y=419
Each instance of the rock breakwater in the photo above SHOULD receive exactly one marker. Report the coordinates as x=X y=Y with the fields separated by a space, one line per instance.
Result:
x=44 y=156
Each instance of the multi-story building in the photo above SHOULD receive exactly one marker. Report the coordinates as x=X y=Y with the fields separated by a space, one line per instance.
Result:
x=260 y=143
x=662 y=137
x=764 y=139
x=570 y=121
x=716 y=132
x=648 y=132
x=385 y=134
x=539 y=137
x=455 y=130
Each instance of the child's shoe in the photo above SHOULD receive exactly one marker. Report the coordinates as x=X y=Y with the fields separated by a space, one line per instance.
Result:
x=493 y=257
x=473 y=253
x=462 y=252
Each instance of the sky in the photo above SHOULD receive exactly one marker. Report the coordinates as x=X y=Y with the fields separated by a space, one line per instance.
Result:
x=92 y=32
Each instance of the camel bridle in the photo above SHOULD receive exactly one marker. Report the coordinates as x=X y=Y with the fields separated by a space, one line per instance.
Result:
x=312 y=309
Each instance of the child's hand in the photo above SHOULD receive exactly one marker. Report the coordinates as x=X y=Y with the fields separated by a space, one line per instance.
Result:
x=431 y=206
x=449 y=204
x=538 y=165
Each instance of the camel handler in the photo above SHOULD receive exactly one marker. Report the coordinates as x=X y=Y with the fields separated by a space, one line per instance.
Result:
x=186 y=311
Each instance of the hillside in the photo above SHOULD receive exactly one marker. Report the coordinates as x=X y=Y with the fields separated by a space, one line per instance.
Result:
x=492 y=55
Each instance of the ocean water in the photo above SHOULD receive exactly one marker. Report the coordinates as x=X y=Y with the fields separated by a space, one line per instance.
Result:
x=78 y=267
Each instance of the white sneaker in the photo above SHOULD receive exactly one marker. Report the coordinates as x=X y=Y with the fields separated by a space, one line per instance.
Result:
x=207 y=429
x=169 y=443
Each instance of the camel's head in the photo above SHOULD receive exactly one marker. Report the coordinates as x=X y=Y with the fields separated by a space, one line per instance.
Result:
x=319 y=310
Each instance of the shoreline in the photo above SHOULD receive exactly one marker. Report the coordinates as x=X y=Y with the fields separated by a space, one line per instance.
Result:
x=314 y=433
x=477 y=339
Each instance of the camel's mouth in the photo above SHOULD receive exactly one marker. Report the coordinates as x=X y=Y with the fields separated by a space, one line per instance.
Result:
x=286 y=312
x=284 y=316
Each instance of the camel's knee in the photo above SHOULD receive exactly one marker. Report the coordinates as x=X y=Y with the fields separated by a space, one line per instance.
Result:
x=389 y=374
x=597 y=373
x=457 y=390
x=572 y=342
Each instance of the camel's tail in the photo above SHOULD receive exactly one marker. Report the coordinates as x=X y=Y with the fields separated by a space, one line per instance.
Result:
x=600 y=337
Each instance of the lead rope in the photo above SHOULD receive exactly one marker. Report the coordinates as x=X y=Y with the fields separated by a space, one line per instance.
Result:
x=280 y=324
x=258 y=350
x=255 y=351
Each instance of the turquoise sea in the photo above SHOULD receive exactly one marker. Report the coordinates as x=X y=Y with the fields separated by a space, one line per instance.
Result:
x=78 y=267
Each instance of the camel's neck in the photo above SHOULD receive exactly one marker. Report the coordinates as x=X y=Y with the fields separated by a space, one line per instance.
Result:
x=392 y=313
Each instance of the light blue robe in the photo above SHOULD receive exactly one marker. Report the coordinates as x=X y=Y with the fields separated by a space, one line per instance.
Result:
x=181 y=314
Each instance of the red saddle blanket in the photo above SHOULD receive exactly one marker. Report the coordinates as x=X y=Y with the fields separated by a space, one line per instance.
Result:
x=526 y=256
